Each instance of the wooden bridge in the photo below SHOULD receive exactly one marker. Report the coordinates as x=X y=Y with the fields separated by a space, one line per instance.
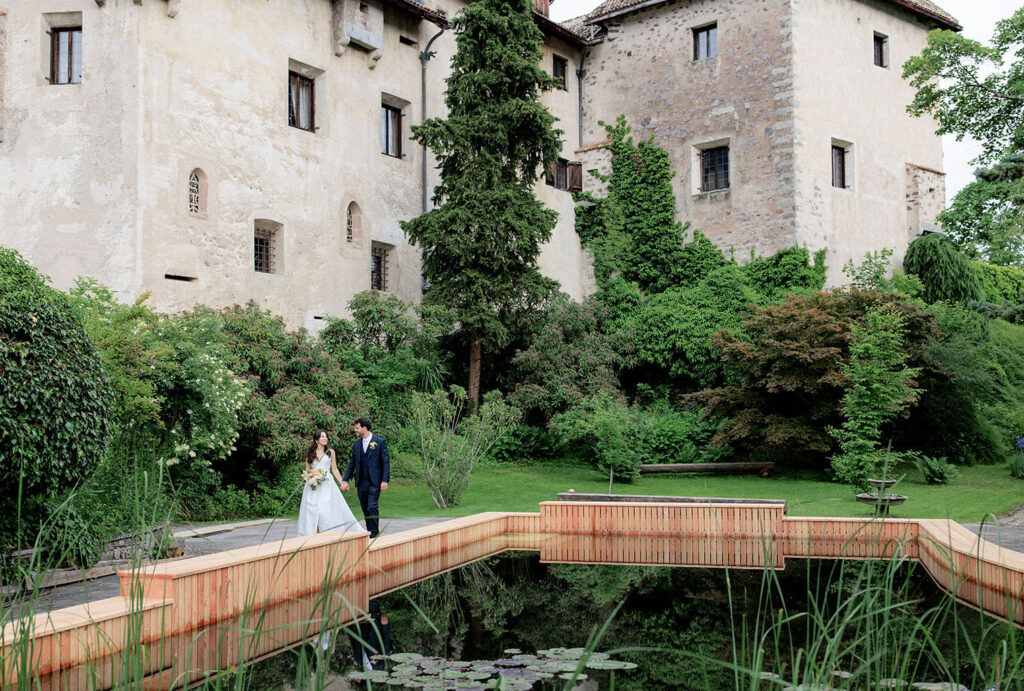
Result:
x=173 y=622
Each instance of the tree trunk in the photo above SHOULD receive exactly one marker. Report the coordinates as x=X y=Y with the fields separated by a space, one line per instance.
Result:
x=474 y=373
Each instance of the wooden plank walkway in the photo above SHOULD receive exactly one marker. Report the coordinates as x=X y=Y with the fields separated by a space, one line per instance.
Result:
x=174 y=621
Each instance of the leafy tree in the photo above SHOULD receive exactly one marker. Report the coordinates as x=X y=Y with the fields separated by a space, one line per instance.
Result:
x=986 y=218
x=54 y=423
x=570 y=358
x=481 y=242
x=788 y=270
x=972 y=89
x=944 y=271
x=788 y=370
x=881 y=388
x=1000 y=283
x=633 y=230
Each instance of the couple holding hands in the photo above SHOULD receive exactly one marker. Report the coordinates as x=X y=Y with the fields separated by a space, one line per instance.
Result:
x=369 y=467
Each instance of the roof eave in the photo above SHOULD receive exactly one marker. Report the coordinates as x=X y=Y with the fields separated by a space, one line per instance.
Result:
x=547 y=25
x=421 y=11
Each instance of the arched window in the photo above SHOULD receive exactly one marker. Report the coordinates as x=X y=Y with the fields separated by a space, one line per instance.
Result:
x=197 y=192
x=353 y=224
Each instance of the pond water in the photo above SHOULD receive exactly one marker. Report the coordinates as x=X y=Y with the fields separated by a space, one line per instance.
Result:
x=849 y=624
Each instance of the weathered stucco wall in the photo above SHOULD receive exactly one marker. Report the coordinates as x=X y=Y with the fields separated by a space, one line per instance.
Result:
x=69 y=153
x=646 y=70
x=97 y=173
x=842 y=95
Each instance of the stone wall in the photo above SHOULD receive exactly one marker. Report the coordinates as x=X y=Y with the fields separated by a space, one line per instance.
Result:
x=646 y=70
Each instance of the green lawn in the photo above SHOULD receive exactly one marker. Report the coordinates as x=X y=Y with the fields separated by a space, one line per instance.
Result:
x=977 y=492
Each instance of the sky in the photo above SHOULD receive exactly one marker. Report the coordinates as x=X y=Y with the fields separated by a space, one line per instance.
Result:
x=978 y=18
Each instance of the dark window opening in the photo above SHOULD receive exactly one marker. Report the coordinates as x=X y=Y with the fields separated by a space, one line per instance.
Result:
x=265 y=250
x=406 y=41
x=558 y=175
x=838 y=167
x=175 y=277
x=714 y=168
x=881 y=50
x=391 y=131
x=705 y=42
x=559 y=70
x=66 y=55
x=379 y=267
x=301 y=109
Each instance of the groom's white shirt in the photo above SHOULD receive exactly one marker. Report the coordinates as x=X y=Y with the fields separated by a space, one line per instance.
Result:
x=366 y=442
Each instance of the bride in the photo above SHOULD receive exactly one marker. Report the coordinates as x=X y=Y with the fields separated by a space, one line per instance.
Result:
x=323 y=508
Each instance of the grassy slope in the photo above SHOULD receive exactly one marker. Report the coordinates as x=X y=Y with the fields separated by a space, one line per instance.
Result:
x=978 y=491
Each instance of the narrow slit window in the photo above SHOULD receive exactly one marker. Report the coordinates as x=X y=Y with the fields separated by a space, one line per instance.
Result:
x=391 y=131
x=714 y=165
x=193 y=193
x=265 y=249
x=66 y=55
x=301 y=110
x=705 y=42
x=839 y=167
x=881 y=50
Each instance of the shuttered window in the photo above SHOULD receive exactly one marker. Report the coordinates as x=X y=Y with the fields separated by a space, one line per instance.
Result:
x=575 y=177
x=391 y=131
x=559 y=69
x=563 y=175
x=838 y=167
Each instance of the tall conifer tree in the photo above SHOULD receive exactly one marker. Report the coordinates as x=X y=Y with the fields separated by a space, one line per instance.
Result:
x=481 y=241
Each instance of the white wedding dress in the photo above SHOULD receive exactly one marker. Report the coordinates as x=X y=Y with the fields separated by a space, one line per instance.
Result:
x=324 y=508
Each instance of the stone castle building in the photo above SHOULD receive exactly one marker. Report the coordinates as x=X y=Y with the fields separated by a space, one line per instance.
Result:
x=215 y=151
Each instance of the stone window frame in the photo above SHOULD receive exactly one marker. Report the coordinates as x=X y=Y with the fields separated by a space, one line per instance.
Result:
x=55 y=24
x=880 y=43
x=390 y=103
x=709 y=29
x=848 y=159
x=268 y=246
x=197 y=193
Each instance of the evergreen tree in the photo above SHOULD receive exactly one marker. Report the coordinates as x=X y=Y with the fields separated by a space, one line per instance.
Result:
x=481 y=242
x=944 y=271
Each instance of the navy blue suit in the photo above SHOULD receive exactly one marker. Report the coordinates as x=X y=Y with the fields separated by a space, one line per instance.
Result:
x=367 y=471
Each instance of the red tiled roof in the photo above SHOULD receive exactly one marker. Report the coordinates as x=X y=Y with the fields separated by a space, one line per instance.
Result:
x=923 y=8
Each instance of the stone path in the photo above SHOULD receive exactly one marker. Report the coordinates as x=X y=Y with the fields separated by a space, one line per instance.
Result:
x=1007 y=531
x=197 y=541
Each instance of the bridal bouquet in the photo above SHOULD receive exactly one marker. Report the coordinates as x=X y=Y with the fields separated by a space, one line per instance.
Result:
x=314 y=478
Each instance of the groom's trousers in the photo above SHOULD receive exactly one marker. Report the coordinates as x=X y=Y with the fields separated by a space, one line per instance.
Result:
x=368 y=498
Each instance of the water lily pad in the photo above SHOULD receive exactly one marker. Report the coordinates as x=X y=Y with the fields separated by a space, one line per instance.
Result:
x=397 y=681
x=458 y=664
x=571 y=675
x=404 y=657
x=513 y=651
x=375 y=676
x=507 y=662
x=476 y=676
x=610 y=664
x=403 y=670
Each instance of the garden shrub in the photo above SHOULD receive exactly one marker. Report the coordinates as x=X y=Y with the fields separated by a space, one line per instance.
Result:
x=936 y=471
x=453 y=440
x=596 y=432
x=674 y=329
x=1016 y=462
x=699 y=258
x=788 y=373
x=54 y=424
x=787 y=271
x=570 y=358
x=999 y=283
x=945 y=272
x=525 y=443
x=880 y=388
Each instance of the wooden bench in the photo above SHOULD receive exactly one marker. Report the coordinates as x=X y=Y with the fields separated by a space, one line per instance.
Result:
x=664 y=499
x=764 y=469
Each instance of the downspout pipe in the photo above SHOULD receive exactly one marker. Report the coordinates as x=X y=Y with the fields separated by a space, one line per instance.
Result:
x=580 y=74
x=425 y=56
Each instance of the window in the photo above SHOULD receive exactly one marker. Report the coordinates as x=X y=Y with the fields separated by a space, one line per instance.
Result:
x=66 y=55
x=705 y=42
x=881 y=50
x=563 y=175
x=559 y=69
x=353 y=224
x=300 y=102
x=379 y=266
x=838 y=166
x=266 y=241
x=390 y=130
x=714 y=169
x=197 y=192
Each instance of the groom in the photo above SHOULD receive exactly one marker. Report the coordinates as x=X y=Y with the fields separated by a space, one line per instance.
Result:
x=370 y=469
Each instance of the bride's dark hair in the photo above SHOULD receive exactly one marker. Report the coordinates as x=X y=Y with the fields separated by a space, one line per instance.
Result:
x=311 y=451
